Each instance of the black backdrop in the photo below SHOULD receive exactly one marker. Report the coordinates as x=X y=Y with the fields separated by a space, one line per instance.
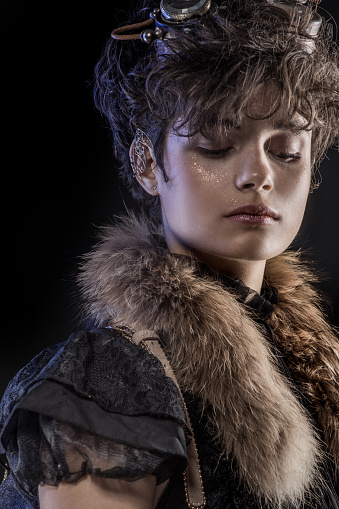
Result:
x=58 y=176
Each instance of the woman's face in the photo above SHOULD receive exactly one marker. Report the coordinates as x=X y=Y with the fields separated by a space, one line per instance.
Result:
x=239 y=198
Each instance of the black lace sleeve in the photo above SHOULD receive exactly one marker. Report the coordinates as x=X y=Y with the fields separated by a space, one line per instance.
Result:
x=96 y=404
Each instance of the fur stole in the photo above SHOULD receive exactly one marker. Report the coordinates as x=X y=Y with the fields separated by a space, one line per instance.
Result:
x=220 y=355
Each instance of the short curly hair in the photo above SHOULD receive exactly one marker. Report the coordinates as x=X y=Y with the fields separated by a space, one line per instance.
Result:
x=210 y=73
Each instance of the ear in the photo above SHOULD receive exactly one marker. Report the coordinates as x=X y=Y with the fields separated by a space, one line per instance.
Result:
x=148 y=179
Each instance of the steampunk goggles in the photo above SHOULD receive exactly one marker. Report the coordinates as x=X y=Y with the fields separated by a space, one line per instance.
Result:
x=173 y=13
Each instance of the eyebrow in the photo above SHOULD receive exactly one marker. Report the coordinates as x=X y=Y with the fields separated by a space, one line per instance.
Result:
x=277 y=126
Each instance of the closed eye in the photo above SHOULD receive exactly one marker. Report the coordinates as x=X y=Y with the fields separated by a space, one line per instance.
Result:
x=214 y=154
x=287 y=157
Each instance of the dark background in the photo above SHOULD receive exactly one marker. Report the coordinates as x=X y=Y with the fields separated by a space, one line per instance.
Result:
x=58 y=173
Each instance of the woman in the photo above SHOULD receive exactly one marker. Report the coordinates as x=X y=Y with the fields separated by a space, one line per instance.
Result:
x=219 y=116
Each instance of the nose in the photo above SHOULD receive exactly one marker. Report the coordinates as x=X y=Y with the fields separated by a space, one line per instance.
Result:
x=254 y=171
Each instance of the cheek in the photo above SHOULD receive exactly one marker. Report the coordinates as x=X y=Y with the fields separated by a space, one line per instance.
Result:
x=211 y=175
x=296 y=194
x=194 y=184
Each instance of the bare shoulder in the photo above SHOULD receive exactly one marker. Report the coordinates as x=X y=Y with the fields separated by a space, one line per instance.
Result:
x=97 y=493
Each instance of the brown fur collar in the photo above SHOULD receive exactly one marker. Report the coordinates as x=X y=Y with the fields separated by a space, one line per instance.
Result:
x=220 y=355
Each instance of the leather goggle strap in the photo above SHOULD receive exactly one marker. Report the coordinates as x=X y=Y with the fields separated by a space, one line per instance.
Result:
x=118 y=33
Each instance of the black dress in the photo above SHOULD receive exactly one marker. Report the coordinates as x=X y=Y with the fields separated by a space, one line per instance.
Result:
x=99 y=404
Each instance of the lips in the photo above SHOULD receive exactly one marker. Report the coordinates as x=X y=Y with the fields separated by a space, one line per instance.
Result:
x=253 y=214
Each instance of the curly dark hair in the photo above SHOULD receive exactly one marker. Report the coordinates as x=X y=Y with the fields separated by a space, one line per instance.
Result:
x=210 y=73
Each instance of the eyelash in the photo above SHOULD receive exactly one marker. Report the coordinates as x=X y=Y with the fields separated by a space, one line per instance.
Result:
x=214 y=154
x=218 y=154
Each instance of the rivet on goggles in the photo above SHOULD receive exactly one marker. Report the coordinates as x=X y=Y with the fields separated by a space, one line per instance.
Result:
x=173 y=13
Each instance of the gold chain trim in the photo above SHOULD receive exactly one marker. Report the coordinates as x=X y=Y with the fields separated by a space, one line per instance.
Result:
x=190 y=504
x=121 y=327
x=6 y=474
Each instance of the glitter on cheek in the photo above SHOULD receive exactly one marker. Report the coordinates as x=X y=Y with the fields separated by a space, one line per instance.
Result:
x=206 y=175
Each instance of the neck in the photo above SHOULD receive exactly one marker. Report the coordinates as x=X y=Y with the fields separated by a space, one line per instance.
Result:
x=250 y=272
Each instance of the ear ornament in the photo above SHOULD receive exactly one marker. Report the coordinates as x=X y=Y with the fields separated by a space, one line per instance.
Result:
x=138 y=157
